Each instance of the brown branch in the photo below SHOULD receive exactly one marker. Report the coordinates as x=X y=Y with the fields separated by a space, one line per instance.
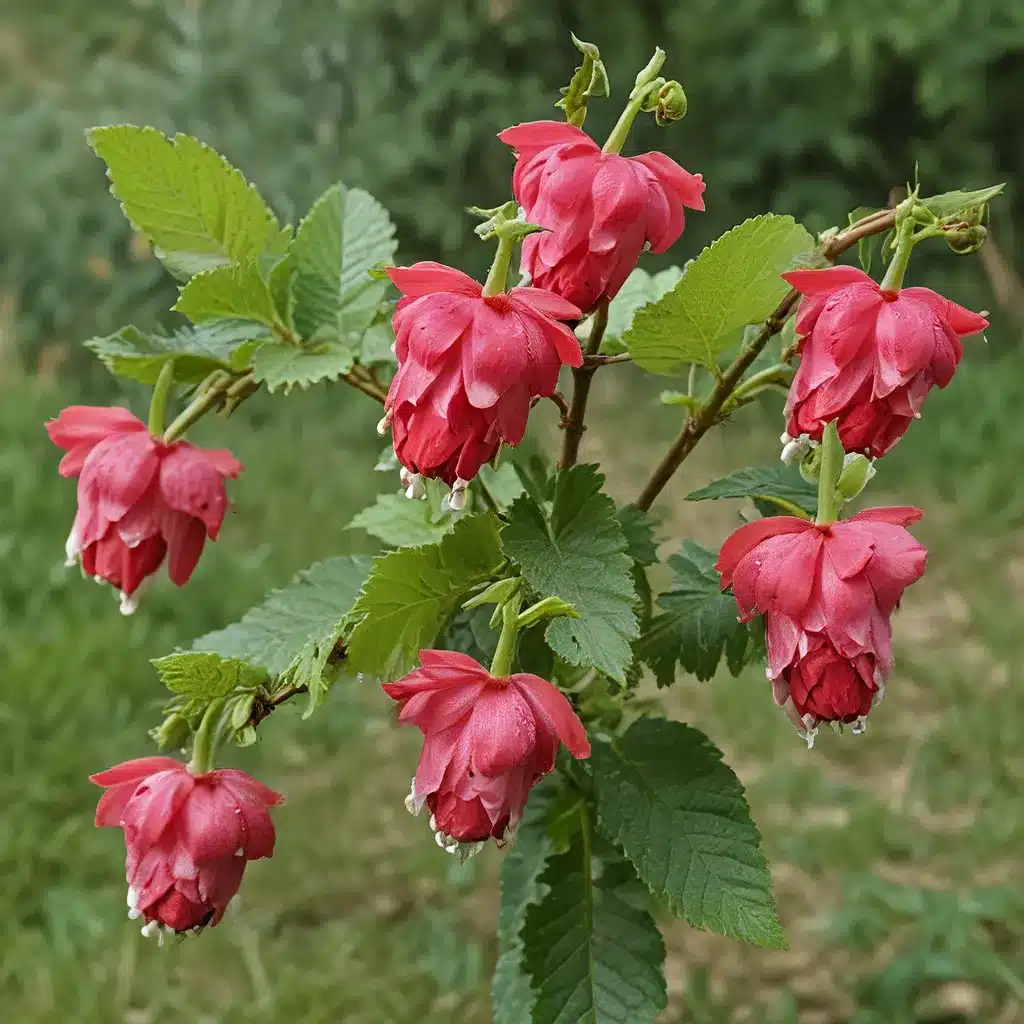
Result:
x=363 y=380
x=622 y=357
x=563 y=406
x=699 y=422
x=263 y=706
x=582 y=377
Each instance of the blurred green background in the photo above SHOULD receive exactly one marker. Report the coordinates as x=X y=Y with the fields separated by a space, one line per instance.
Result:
x=896 y=854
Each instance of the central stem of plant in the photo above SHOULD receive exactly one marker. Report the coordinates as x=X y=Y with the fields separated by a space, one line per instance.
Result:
x=205 y=743
x=505 y=653
x=497 y=276
x=832 y=456
x=161 y=394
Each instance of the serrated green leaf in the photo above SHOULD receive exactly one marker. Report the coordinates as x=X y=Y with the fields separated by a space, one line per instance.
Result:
x=579 y=554
x=412 y=592
x=197 y=351
x=697 y=624
x=206 y=676
x=678 y=811
x=764 y=482
x=947 y=204
x=375 y=346
x=638 y=529
x=401 y=522
x=591 y=947
x=345 y=234
x=511 y=996
x=197 y=210
x=280 y=281
x=732 y=283
x=287 y=366
x=235 y=290
x=639 y=290
x=294 y=632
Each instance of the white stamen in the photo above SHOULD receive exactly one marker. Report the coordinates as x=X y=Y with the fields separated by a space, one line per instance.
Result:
x=394 y=349
x=860 y=726
x=433 y=823
x=810 y=730
x=154 y=928
x=72 y=549
x=796 y=448
x=412 y=805
x=384 y=424
x=134 y=914
x=129 y=604
x=457 y=499
x=133 y=897
x=440 y=838
x=413 y=484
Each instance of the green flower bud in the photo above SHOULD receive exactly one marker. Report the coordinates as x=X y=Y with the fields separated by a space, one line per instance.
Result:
x=966 y=241
x=174 y=731
x=857 y=471
x=671 y=103
x=810 y=465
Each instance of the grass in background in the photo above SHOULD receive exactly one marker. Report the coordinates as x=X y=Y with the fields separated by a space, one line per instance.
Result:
x=896 y=854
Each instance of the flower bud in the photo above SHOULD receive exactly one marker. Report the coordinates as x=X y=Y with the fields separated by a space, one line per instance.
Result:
x=857 y=471
x=671 y=103
x=966 y=241
x=172 y=732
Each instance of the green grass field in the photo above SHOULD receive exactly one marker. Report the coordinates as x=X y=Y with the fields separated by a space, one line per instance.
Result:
x=896 y=854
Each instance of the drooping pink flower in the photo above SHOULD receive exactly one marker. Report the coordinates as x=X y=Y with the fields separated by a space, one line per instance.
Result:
x=188 y=837
x=827 y=594
x=601 y=209
x=869 y=357
x=469 y=367
x=139 y=499
x=486 y=743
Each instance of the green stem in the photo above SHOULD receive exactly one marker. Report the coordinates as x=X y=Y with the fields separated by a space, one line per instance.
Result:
x=161 y=394
x=205 y=399
x=505 y=653
x=893 y=280
x=785 y=504
x=645 y=81
x=498 y=274
x=205 y=743
x=829 y=502
x=757 y=381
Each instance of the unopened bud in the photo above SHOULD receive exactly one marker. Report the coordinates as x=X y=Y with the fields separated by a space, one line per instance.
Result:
x=810 y=464
x=671 y=103
x=172 y=732
x=966 y=241
x=857 y=471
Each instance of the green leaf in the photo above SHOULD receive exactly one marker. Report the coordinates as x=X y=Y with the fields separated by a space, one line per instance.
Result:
x=638 y=529
x=344 y=235
x=412 y=592
x=287 y=366
x=764 y=482
x=236 y=290
x=511 y=996
x=401 y=522
x=948 y=204
x=591 y=947
x=280 y=281
x=732 y=283
x=579 y=554
x=639 y=290
x=197 y=351
x=666 y=797
x=375 y=345
x=294 y=632
x=206 y=676
x=197 y=210
x=502 y=484
x=697 y=624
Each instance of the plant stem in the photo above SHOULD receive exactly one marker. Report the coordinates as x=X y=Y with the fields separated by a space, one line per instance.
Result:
x=161 y=394
x=205 y=400
x=702 y=419
x=831 y=466
x=505 y=653
x=645 y=81
x=498 y=274
x=785 y=504
x=582 y=376
x=205 y=743
x=362 y=380
x=893 y=280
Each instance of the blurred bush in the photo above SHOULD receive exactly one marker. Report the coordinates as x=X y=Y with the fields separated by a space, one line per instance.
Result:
x=806 y=106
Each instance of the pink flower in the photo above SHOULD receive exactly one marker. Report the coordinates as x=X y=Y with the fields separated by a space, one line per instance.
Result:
x=601 y=209
x=469 y=367
x=827 y=594
x=139 y=499
x=188 y=837
x=486 y=743
x=869 y=357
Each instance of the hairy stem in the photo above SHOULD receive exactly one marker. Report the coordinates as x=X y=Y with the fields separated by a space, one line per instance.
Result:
x=582 y=376
x=709 y=413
